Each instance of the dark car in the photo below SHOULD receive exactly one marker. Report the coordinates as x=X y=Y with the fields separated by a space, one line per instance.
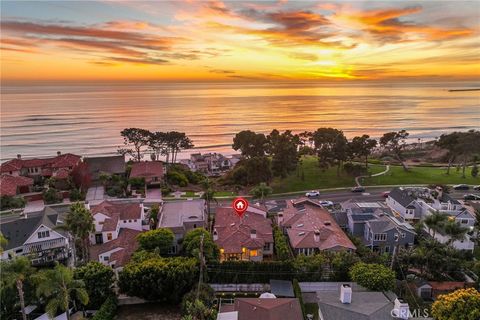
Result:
x=476 y=188
x=471 y=197
x=357 y=189
x=461 y=187
x=385 y=194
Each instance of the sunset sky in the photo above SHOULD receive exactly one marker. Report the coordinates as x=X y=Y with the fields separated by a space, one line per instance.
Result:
x=239 y=40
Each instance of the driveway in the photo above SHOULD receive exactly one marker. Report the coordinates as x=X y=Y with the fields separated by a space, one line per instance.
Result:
x=154 y=194
x=95 y=194
x=34 y=206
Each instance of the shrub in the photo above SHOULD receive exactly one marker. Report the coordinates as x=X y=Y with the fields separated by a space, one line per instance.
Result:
x=462 y=304
x=51 y=196
x=76 y=195
x=137 y=183
x=298 y=294
x=373 y=276
x=108 y=309
x=282 y=249
x=177 y=178
x=166 y=191
x=98 y=279
x=8 y=202
x=354 y=169
x=160 y=239
x=115 y=191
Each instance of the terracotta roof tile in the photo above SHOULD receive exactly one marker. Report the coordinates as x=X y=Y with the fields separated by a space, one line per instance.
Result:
x=234 y=232
x=268 y=309
x=126 y=241
x=147 y=169
x=304 y=218
x=9 y=184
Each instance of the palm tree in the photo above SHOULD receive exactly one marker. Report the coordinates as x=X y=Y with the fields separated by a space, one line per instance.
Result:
x=15 y=272
x=454 y=231
x=58 y=287
x=79 y=222
x=261 y=191
x=435 y=221
x=208 y=196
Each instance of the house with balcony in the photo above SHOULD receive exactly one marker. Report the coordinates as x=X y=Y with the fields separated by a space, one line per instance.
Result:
x=181 y=217
x=210 y=163
x=37 y=237
x=311 y=229
x=248 y=237
x=117 y=225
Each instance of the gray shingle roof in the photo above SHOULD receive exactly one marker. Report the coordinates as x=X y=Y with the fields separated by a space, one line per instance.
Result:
x=364 y=306
x=111 y=165
x=404 y=197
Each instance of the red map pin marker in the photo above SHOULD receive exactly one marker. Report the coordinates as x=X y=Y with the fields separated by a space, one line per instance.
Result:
x=240 y=205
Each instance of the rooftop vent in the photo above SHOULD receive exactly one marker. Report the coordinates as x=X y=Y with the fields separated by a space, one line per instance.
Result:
x=301 y=233
x=346 y=293
x=328 y=223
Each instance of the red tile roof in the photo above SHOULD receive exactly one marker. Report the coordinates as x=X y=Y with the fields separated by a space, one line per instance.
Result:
x=9 y=184
x=446 y=285
x=305 y=218
x=126 y=241
x=62 y=173
x=61 y=161
x=234 y=232
x=268 y=309
x=124 y=211
x=147 y=169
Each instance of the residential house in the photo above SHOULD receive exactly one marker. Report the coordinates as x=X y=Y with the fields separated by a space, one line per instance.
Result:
x=310 y=228
x=267 y=307
x=117 y=224
x=110 y=217
x=37 y=237
x=210 y=163
x=422 y=202
x=248 y=237
x=11 y=185
x=383 y=233
x=113 y=165
x=403 y=202
x=343 y=303
x=58 y=167
x=374 y=223
x=152 y=171
x=181 y=217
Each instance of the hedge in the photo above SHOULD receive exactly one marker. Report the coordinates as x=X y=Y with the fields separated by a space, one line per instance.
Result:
x=298 y=294
x=255 y=272
x=282 y=249
x=108 y=310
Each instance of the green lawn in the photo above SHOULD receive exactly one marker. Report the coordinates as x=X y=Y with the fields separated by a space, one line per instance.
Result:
x=314 y=178
x=225 y=194
x=312 y=308
x=422 y=175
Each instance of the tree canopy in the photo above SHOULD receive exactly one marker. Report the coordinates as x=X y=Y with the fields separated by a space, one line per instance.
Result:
x=373 y=276
x=159 y=239
x=191 y=244
x=462 y=304
x=98 y=279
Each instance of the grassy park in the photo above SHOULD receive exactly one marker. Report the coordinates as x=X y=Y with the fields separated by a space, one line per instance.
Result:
x=315 y=178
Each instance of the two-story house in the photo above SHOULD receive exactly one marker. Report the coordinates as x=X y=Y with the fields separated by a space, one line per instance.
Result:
x=384 y=232
x=248 y=237
x=117 y=225
x=311 y=229
x=403 y=202
x=37 y=237
x=152 y=171
x=181 y=217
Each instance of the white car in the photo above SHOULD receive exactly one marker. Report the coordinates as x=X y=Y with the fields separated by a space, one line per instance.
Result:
x=312 y=194
x=326 y=203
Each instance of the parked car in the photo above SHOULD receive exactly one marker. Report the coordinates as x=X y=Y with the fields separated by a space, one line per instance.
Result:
x=476 y=188
x=385 y=194
x=471 y=197
x=461 y=187
x=357 y=189
x=326 y=203
x=312 y=194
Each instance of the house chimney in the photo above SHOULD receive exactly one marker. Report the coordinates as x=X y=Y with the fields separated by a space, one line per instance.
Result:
x=253 y=234
x=87 y=205
x=316 y=235
x=215 y=234
x=19 y=156
x=59 y=153
x=346 y=293
x=401 y=309
x=280 y=218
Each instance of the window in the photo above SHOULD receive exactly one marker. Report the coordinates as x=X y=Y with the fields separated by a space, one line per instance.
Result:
x=129 y=220
x=43 y=234
x=135 y=220
x=105 y=258
x=172 y=250
x=464 y=221
x=253 y=253
x=124 y=221
x=403 y=235
x=266 y=247
x=380 y=237
x=387 y=249
x=194 y=226
x=109 y=236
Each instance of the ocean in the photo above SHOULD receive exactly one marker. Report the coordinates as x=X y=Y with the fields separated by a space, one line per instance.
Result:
x=86 y=119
